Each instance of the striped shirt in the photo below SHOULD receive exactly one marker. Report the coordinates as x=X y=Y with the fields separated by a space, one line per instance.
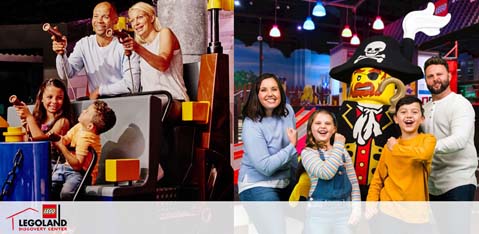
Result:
x=325 y=170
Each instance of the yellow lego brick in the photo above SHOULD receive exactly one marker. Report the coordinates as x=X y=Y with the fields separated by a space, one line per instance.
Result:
x=195 y=111
x=227 y=5
x=14 y=134
x=118 y=170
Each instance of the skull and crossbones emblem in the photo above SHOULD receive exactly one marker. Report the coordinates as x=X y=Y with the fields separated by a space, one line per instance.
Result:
x=372 y=51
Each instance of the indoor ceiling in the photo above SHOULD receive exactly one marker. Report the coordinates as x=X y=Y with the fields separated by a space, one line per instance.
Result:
x=53 y=11
x=291 y=13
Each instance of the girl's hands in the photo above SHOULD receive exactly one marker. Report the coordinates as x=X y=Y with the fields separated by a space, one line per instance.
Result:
x=22 y=111
x=292 y=136
x=339 y=138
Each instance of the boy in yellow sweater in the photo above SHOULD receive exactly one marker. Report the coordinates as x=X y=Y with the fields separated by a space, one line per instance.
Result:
x=404 y=166
x=405 y=163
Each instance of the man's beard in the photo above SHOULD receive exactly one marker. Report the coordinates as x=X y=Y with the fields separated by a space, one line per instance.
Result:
x=441 y=89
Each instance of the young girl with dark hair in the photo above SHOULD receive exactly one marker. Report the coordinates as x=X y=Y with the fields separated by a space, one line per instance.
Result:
x=52 y=113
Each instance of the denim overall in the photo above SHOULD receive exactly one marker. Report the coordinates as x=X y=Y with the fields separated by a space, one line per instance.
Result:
x=328 y=214
x=337 y=188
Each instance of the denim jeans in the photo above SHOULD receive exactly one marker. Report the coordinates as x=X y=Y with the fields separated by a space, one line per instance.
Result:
x=325 y=217
x=461 y=193
x=265 y=194
x=267 y=218
x=65 y=182
x=382 y=223
x=456 y=218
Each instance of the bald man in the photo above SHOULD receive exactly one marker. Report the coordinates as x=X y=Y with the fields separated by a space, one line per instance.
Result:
x=108 y=69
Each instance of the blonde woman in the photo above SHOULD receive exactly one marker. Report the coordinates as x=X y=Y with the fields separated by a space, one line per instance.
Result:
x=161 y=62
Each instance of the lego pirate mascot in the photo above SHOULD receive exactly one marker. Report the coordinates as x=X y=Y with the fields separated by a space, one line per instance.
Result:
x=376 y=75
x=378 y=67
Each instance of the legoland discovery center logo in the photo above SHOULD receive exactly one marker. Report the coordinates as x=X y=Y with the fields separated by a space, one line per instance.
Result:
x=50 y=220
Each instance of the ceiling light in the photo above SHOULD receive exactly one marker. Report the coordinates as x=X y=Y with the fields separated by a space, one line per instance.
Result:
x=274 y=32
x=355 y=40
x=346 y=31
x=378 y=23
x=308 y=24
x=319 y=10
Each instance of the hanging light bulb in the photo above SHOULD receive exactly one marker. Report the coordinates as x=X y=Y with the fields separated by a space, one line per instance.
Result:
x=346 y=31
x=308 y=24
x=319 y=9
x=378 y=23
x=355 y=40
x=274 y=32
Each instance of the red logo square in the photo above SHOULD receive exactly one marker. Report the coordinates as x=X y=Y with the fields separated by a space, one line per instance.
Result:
x=49 y=211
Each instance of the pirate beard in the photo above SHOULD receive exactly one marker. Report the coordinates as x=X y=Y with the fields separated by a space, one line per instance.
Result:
x=366 y=89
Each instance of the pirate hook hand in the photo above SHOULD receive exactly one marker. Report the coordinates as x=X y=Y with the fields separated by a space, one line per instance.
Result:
x=424 y=21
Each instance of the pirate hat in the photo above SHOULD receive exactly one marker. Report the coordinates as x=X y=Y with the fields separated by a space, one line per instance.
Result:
x=379 y=52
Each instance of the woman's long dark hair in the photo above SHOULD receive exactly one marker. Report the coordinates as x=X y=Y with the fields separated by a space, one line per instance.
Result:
x=253 y=108
x=39 y=111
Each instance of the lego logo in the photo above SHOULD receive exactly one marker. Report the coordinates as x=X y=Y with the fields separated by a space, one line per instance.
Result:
x=49 y=211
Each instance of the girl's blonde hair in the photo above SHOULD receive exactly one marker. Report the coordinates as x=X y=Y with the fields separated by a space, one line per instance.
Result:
x=150 y=12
